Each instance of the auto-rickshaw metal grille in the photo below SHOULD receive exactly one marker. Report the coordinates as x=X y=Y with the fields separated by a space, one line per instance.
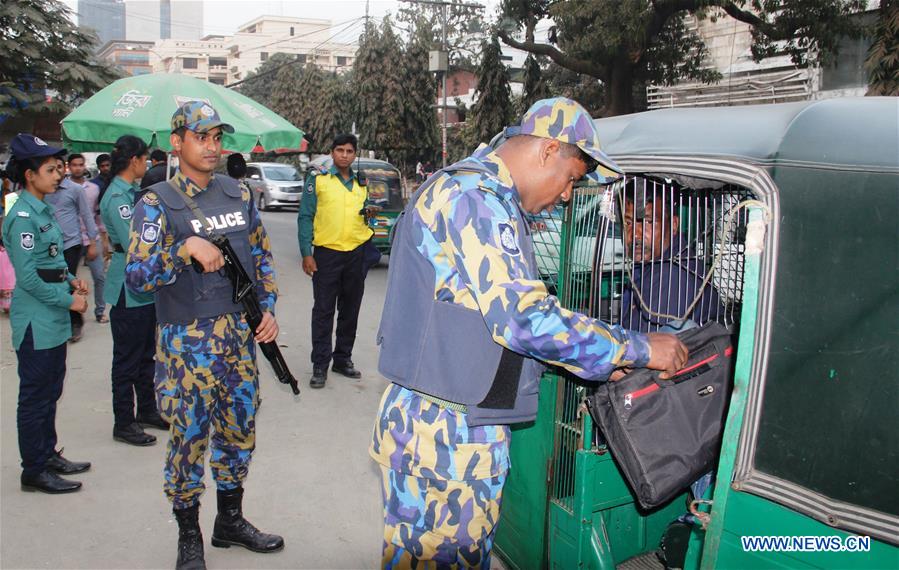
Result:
x=636 y=253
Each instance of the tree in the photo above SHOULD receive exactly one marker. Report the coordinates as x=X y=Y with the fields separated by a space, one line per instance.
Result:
x=623 y=43
x=493 y=110
x=420 y=120
x=379 y=89
x=43 y=51
x=285 y=96
x=260 y=84
x=535 y=87
x=882 y=62
x=464 y=28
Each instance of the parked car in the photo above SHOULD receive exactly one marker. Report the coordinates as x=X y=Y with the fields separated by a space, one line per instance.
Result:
x=275 y=184
x=385 y=189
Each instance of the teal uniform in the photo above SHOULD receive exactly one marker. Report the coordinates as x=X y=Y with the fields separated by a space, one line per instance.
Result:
x=33 y=240
x=115 y=209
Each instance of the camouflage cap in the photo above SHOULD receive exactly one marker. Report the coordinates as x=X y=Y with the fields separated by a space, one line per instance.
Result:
x=199 y=117
x=566 y=121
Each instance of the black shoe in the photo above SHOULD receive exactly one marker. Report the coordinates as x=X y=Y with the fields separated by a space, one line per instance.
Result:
x=347 y=369
x=133 y=434
x=76 y=333
x=59 y=464
x=48 y=482
x=190 y=539
x=153 y=420
x=319 y=376
x=232 y=529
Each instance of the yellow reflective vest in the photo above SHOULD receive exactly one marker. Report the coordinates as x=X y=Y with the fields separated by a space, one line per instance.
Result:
x=338 y=224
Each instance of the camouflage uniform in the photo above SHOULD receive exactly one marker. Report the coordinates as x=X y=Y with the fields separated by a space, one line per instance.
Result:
x=205 y=370
x=442 y=476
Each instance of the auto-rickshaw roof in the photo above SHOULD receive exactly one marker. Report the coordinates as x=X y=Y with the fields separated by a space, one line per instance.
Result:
x=856 y=132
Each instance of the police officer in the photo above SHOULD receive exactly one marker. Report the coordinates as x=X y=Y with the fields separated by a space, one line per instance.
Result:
x=39 y=315
x=133 y=315
x=466 y=323
x=331 y=219
x=206 y=377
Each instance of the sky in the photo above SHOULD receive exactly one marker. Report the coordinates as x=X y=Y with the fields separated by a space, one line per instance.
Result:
x=224 y=16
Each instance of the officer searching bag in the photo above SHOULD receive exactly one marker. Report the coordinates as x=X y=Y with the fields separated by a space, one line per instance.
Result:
x=665 y=434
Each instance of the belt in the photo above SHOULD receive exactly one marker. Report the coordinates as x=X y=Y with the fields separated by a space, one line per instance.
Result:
x=455 y=406
x=53 y=275
x=118 y=248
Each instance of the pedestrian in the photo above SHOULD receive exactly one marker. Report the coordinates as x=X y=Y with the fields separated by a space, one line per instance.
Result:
x=93 y=189
x=467 y=323
x=236 y=166
x=44 y=294
x=156 y=172
x=104 y=163
x=332 y=219
x=7 y=280
x=133 y=314
x=206 y=375
x=419 y=172
x=70 y=207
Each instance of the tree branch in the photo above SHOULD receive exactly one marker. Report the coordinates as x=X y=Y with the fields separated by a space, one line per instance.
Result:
x=772 y=32
x=586 y=67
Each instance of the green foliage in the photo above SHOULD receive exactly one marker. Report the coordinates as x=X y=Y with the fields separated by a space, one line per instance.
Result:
x=535 y=87
x=882 y=62
x=493 y=110
x=625 y=43
x=424 y=24
x=420 y=119
x=260 y=84
x=42 y=50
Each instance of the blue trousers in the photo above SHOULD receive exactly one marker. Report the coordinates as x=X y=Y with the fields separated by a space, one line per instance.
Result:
x=133 y=365
x=41 y=373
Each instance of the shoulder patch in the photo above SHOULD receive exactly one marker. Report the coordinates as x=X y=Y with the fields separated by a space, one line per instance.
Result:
x=149 y=233
x=507 y=238
x=125 y=212
x=27 y=240
x=23 y=214
x=150 y=199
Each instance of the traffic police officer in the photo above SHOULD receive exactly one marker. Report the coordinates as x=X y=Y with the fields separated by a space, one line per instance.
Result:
x=39 y=315
x=206 y=373
x=331 y=219
x=133 y=315
x=465 y=322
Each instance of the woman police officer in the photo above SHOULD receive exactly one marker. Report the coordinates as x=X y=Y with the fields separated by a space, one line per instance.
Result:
x=39 y=315
x=133 y=315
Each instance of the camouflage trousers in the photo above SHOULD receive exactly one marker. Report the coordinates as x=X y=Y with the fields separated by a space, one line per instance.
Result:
x=197 y=392
x=432 y=524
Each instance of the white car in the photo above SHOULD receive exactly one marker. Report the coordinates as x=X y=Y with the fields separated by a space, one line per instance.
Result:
x=275 y=184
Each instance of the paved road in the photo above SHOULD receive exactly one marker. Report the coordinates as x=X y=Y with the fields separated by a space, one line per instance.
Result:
x=311 y=479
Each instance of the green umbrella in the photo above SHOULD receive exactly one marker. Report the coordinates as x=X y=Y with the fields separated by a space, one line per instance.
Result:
x=143 y=106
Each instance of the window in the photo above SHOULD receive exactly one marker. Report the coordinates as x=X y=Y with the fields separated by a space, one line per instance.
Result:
x=217 y=80
x=263 y=56
x=189 y=63
x=341 y=60
x=291 y=30
x=218 y=62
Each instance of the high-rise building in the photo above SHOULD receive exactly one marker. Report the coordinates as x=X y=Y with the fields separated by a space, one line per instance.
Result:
x=105 y=17
x=151 y=20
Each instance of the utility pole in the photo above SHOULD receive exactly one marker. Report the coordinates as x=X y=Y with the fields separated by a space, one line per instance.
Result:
x=439 y=62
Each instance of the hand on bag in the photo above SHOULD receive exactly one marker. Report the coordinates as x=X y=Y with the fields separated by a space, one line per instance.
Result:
x=309 y=265
x=666 y=353
x=619 y=373
x=79 y=303
x=91 y=251
x=206 y=254
x=267 y=330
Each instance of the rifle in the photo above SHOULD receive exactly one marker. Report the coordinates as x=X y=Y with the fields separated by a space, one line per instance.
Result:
x=245 y=294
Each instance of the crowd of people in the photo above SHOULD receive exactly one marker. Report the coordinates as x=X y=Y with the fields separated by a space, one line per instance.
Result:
x=462 y=281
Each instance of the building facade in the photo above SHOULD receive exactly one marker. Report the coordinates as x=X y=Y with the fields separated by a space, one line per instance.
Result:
x=105 y=17
x=206 y=58
x=151 y=20
x=132 y=58
x=307 y=39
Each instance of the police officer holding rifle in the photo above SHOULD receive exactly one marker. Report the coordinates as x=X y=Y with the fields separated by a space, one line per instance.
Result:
x=206 y=376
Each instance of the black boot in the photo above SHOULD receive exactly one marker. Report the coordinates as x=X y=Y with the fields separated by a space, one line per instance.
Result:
x=190 y=539
x=232 y=529
x=346 y=368
x=319 y=377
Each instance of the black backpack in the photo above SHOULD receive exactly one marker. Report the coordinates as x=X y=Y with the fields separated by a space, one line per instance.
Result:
x=665 y=434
